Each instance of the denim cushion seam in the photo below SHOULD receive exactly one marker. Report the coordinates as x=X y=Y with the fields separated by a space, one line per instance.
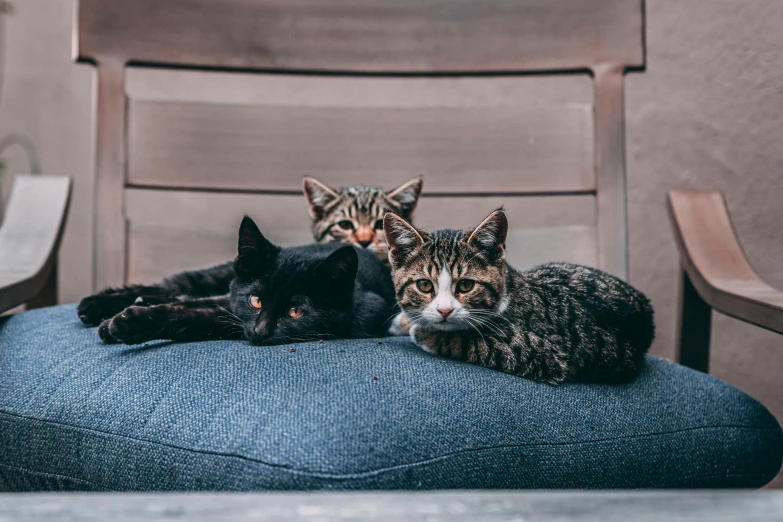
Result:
x=377 y=471
x=54 y=475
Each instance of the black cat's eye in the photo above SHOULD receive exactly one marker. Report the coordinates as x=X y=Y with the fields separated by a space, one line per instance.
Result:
x=425 y=285
x=255 y=302
x=347 y=225
x=379 y=225
x=295 y=312
x=465 y=285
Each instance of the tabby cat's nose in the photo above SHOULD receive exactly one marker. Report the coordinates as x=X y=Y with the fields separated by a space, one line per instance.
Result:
x=445 y=312
x=366 y=243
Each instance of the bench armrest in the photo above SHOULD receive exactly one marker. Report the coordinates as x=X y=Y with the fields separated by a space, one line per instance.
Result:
x=716 y=274
x=30 y=236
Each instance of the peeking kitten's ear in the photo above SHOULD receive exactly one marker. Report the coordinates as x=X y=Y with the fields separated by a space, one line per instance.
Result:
x=406 y=196
x=253 y=249
x=338 y=271
x=490 y=235
x=401 y=237
x=318 y=196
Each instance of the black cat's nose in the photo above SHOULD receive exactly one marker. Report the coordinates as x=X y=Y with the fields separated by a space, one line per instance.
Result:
x=366 y=243
x=261 y=330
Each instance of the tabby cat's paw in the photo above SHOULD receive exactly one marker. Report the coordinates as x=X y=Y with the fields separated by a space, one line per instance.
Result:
x=96 y=308
x=401 y=325
x=136 y=324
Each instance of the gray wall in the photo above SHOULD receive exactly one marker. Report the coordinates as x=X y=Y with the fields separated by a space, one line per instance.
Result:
x=705 y=115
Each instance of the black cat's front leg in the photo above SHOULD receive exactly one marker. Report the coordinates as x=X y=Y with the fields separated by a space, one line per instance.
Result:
x=195 y=320
x=111 y=301
x=107 y=303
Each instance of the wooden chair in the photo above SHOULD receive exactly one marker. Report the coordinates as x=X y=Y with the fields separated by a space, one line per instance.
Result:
x=208 y=109
x=716 y=275
x=30 y=238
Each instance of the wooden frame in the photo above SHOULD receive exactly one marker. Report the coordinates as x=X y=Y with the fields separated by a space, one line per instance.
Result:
x=715 y=275
x=419 y=38
x=29 y=239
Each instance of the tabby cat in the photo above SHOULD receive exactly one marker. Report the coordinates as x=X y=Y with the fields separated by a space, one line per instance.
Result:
x=557 y=322
x=278 y=296
x=355 y=214
x=351 y=215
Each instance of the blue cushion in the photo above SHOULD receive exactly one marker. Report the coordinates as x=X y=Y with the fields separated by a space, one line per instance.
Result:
x=372 y=414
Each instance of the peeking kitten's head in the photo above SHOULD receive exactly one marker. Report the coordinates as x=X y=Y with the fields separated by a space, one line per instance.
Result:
x=355 y=214
x=285 y=295
x=448 y=279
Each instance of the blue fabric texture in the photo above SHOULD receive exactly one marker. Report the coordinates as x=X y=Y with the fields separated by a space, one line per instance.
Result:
x=371 y=414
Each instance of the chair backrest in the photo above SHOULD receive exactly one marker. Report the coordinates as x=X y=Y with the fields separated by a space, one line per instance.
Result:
x=208 y=109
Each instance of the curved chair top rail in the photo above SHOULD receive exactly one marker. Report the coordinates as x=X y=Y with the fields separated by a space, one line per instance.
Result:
x=365 y=36
x=30 y=235
x=715 y=263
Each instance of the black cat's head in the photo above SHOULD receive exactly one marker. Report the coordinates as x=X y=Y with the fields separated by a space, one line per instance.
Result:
x=292 y=294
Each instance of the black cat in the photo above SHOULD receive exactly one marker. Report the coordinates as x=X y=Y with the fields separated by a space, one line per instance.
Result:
x=277 y=296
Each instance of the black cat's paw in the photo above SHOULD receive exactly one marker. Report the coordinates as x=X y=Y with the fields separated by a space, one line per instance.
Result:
x=103 y=333
x=134 y=325
x=96 y=308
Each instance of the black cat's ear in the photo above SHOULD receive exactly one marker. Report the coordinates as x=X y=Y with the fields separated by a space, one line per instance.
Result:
x=338 y=271
x=407 y=196
x=253 y=249
x=318 y=195
x=490 y=235
x=401 y=238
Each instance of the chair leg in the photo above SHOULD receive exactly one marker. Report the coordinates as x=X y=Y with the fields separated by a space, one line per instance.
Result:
x=694 y=323
x=48 y=294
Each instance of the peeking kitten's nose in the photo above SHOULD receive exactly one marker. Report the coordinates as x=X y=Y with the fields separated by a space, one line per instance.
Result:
x=445 y=312
x=364 y=236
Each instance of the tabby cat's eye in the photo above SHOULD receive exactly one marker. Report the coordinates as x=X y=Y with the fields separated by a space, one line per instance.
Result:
x=425 y=285
x=295 y=312
x=379 y=225
x=347 y=225
x=255 y=302
x=465 y=285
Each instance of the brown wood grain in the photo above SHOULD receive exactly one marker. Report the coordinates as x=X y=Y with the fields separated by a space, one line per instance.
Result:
x=30 y=236
x=267 y=147
x=712 y=257
x=109 y=223
x=610 y=170
x=367 y=35
x=168 y=233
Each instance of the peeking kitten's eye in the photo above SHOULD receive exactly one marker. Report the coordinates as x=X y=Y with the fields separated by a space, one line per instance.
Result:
x=345 y=225
x=255 y=302
x=379 y=225
x=465 y=285
x=295 y=312
x=425 y=285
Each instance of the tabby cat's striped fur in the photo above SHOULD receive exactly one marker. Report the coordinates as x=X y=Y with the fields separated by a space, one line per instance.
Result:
x=355 y=214
x=557 y=322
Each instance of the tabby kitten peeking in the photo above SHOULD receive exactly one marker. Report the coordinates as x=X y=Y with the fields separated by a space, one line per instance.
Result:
x=355 y=214
x=351 y=215
x=279 y=296
x=557 y=322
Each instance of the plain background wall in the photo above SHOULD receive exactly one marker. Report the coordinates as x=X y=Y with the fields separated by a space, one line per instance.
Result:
x=706 y=114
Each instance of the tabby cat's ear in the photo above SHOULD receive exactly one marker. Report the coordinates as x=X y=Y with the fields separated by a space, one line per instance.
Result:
x=338 y=271
x=407 y=195
x=318 y=196
x=253 y=249
x=401 y=237
x=490 y=235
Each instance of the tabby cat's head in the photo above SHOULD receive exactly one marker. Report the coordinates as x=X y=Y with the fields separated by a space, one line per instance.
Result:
x=355 y=214
x=285 y=295
x=449 y=279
